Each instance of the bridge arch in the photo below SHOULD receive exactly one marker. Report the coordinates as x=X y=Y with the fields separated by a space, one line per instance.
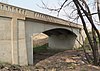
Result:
x=60 y=37
x=58 y=31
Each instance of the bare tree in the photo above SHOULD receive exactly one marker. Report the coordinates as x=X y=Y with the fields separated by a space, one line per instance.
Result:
x=92 y=40
x=84 y=13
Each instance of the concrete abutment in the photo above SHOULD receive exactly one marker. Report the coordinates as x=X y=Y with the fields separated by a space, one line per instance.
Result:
x=18 y=42
x=12 y=41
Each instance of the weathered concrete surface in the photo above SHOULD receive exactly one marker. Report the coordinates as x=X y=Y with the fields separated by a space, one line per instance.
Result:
x=17 y=26
x=22 y=43
x=62 y=41
x=12 y=41
x=5 y=39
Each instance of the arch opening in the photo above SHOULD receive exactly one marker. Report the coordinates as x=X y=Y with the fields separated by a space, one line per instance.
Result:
x=56 y=39
x=58 y=36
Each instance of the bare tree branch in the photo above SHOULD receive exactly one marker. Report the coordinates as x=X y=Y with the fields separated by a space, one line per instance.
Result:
x=98 y=8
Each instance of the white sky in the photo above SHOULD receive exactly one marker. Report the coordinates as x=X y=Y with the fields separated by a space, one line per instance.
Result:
x=33 y=5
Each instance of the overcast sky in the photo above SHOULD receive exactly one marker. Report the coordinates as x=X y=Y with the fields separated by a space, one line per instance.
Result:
x=33 y=5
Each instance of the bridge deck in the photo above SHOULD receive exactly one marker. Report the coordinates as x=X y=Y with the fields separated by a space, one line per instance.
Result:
x=13 y=11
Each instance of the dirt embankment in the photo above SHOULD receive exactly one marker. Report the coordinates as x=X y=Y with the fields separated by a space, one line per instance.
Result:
x=40 y=39
x=70 y=60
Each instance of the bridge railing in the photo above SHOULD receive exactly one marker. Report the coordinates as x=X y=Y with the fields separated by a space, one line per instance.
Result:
x=10 y=8
x=51 y=19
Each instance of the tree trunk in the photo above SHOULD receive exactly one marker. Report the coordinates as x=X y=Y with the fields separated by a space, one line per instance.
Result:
x=95 y=48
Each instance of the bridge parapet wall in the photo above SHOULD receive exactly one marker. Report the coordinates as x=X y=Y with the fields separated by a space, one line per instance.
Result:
x=11 y=8
x=51 y=19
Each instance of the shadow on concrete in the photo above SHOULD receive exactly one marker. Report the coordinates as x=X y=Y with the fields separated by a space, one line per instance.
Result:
x=37 y=57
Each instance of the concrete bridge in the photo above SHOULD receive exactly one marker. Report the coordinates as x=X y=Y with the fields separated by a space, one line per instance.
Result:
x=18 y=25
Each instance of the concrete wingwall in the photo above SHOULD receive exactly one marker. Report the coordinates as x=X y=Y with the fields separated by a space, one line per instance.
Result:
x=12 y=41
x=5 y=39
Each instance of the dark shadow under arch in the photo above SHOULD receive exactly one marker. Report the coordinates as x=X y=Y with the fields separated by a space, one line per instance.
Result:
x=59 y=31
